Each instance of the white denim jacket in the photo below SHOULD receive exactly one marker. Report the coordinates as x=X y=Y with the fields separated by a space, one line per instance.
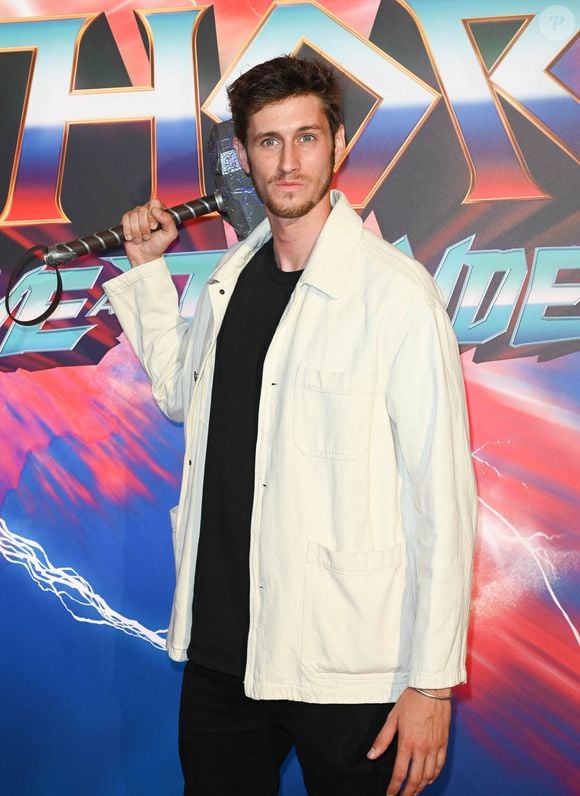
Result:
x=364 y=504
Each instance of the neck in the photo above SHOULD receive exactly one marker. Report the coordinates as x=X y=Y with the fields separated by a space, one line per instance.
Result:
x=294 y=238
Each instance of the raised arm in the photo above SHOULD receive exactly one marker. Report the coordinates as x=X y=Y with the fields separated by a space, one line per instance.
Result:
x=146 y=304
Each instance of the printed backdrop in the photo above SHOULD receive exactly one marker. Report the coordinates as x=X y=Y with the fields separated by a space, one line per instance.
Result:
x=464 y=131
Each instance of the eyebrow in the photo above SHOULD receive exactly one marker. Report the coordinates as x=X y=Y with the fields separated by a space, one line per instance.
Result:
x=270 y=133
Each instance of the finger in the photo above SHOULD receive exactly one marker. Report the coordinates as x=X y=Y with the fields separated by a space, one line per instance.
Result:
x=416 y=780
x=399 y=772
x=383 y=739
x=134 y=226
x=126 y=224
x=155 y=202
x=441 y=757
x=144 y=222
x=430 y=771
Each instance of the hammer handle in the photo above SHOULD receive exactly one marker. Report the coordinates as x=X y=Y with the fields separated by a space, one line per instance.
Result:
x=113 y=236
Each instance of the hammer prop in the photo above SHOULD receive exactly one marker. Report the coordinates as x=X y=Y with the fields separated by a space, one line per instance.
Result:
x=235 y=198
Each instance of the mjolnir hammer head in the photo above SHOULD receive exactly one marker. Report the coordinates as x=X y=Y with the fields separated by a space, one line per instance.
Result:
x=241 y=205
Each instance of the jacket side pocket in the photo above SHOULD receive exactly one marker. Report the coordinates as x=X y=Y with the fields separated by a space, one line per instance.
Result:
x=353 y=611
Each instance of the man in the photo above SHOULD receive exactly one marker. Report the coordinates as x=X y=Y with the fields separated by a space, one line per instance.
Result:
x=324 y=533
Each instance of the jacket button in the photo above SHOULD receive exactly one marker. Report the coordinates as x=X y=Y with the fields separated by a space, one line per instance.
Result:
x=189 y=462
x=222 y=291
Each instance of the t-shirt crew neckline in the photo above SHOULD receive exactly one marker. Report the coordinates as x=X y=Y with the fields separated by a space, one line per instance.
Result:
x=275 y=273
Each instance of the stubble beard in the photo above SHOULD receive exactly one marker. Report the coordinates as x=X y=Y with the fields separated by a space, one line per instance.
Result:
x=283 y=210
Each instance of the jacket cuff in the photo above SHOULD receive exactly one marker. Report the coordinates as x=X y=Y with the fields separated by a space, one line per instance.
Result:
x=444 y=679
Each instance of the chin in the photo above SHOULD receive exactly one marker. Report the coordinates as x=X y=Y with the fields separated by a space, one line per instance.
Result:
x=290 y=211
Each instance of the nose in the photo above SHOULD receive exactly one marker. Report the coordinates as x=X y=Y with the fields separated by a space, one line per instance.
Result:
x=289 y=160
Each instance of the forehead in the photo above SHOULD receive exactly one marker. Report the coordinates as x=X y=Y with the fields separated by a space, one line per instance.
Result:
x=289 y=114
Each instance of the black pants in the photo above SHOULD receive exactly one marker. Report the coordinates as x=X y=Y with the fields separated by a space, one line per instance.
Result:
x=231 y=745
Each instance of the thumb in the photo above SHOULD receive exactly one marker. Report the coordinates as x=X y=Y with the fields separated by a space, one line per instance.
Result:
x=161 y=217
x=165 y=222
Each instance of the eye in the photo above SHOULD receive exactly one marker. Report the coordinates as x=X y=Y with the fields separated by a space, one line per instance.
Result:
x=268 y=142
x=307 y=138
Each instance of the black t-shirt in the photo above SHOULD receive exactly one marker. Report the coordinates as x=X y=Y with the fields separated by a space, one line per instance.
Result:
x=221 y=594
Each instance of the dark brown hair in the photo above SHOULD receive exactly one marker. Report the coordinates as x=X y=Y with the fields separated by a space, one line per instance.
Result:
x=279 y=79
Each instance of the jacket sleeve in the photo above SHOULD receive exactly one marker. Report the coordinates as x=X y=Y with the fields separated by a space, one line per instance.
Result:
x=426 y=403
x=146 y=304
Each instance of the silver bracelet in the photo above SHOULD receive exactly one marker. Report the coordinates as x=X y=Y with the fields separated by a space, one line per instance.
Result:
x=433 y=696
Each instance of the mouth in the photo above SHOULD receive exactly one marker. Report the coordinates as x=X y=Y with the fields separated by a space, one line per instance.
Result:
x=293 y=184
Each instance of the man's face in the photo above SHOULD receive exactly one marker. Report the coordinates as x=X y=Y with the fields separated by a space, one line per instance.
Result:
x=290 y=155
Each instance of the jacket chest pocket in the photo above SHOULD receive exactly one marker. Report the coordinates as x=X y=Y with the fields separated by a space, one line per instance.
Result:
x=332 y=413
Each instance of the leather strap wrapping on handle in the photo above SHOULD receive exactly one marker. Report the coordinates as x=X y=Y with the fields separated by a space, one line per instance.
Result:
x=112 y=237
x=21 y=268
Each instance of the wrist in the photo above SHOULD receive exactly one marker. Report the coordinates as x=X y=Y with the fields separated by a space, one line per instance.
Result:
x=140 y=259
x=434 y=693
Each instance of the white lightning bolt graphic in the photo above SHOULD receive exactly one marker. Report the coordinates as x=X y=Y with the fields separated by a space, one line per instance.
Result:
x=534 y=554
x=539 y=556
x=492 y=466
x=70 y=588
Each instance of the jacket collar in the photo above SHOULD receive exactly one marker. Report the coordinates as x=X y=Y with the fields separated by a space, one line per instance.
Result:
x=332 y=257
x=330 y=261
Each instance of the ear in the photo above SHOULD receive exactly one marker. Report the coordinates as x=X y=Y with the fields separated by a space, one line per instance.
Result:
x=339 y=144
x=241 y=153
